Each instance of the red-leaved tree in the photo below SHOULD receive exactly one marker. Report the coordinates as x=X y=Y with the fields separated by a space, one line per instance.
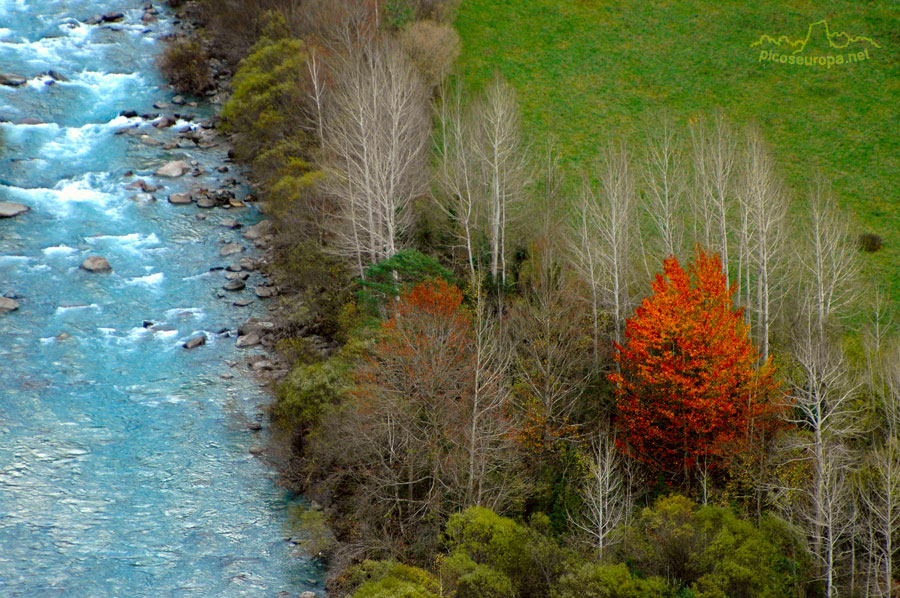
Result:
x=691 y=390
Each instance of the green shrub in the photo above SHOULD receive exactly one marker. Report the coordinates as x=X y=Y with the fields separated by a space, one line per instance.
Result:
x=308 y=390
x=265 y=109
x=316 y=535
x=869 y=242
x=593 y=580
x=185 y=65
x=484 y=582
x=386 y=579
x=522 y=554
x=320 y=286
x=713 y=553
x=398 y=13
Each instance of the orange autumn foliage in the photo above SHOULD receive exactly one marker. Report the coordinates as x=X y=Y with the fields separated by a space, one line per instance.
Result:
x=690 y=391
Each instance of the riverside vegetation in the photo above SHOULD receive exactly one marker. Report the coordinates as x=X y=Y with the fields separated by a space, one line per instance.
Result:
x=623 y=370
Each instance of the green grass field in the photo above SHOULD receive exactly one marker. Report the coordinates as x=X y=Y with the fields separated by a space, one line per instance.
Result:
x=590 y=70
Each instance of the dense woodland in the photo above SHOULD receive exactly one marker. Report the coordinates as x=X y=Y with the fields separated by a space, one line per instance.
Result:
x=661 y=377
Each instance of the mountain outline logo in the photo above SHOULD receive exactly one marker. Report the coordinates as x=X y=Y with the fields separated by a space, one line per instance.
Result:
x=785 y=50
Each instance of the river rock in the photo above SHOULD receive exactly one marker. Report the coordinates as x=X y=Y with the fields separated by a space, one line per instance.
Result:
x=180 y=198
x=164 y=123
x=9 y=209
x=263 y=365
x=231 y=249
x=234 y=267
x=308 y=594
x=128 y=113
x=178 y=101
x=206 y=202
x=248 y=263
x=195 y=342
x=12 y=80
x=242 y=302
x=258 y=230
x=112 y=17
x=264 y=292
x=257 y=450
x=95 y=263
x=230 y=223
x=234 y=285
x=63 y=337
x=237 y=275
x=254 y=426
x=143 y=186
x=7 y=304
x=176 y=168
x=255 y=326
x=249 y=340
x=151 y=141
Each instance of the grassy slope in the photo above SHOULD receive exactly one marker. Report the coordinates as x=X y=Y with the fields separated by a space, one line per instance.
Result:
x=587 y=70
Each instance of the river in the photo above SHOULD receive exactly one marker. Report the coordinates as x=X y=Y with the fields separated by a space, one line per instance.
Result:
x=124 y=463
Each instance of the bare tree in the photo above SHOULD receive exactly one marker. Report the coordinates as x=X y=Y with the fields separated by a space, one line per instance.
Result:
x=714 y=150
x=828 y=257
x=376 y=138
x=502 y=155
x=458 y=170
x=316 y=93
x=880 y=492
x=822 y=408
x=489 y=452
x=615 y=220
x=588 y=261
x=602 y=240
x=547 y=338
x=604 y=493
x=664 y=180
x=881 y=498
x=763 y=208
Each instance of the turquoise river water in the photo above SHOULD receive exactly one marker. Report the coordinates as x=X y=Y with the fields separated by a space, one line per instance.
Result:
x=124 y=464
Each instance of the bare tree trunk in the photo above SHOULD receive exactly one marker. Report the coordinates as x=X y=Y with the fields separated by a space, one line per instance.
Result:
x=501 y=152
x=822 y=405
x=604 y=494
x=829 y=258
x=763 y=208
x=458 y=170
x=714 y=155
x=665 y=182
x=375 y=141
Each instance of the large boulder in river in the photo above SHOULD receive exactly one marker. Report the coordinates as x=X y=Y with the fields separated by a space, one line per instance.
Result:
x=255 y=326
x=173 y=169
x=258 y=230
x=95 y=263
x=9 y=209
x=195 y=342
x=12 y=80
x=7 y=304
x=248 y=340
x=231 y=249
